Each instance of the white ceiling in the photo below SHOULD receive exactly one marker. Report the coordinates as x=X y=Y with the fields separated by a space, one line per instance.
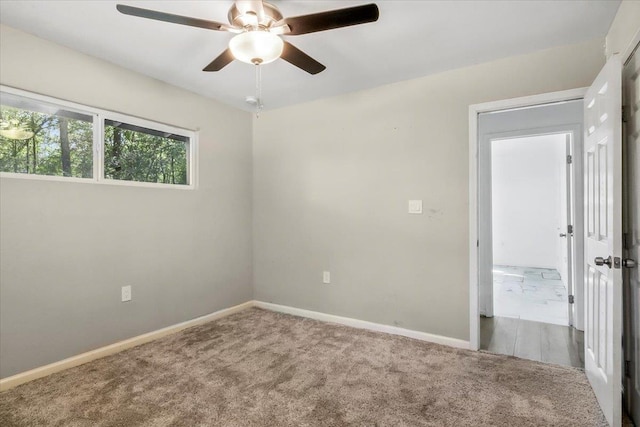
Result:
x=411 y=39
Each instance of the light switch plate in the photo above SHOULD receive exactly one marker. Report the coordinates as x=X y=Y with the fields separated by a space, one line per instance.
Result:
x=415 y=206
x=326 y=277
x=126 y=293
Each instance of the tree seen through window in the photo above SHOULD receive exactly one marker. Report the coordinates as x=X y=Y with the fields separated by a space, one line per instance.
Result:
x=133 y=153
x=34 y=142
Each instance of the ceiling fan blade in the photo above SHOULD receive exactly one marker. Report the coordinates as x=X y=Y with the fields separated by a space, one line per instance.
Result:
x=220 y=62
x=168 y=17
x=295 y=56
x=331 y=19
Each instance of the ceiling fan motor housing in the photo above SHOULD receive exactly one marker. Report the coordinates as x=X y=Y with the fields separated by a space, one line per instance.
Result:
x=246 y=17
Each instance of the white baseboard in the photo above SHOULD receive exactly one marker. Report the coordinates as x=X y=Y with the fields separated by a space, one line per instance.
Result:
x=43 y=371
x=363 y=324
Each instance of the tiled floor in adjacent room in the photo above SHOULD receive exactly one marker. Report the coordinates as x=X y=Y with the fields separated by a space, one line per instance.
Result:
x=529 y=293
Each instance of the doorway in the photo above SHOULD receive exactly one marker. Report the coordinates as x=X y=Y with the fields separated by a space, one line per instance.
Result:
x=477 y=190
x=531 y=233
x=604 y=246
x=531 y=207
x=501 y=129
x=558 y=264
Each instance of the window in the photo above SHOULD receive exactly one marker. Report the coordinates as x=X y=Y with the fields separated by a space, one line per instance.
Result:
x=51 y=139
x=134 y=153
x=43 y=139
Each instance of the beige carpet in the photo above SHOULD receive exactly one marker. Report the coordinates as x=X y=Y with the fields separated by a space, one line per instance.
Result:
x=259 y=368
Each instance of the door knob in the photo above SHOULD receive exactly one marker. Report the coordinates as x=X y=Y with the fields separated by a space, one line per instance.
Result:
x=629 y=263
x=603 y=261
x=563 y=234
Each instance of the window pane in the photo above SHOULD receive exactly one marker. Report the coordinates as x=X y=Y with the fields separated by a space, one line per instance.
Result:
x=134 y=153
x=44 y=139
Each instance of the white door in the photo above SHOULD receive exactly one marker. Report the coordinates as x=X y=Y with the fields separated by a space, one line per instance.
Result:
x=603 y=238
x=632 y=232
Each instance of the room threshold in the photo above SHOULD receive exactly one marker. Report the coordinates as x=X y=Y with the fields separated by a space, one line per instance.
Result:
x=543 y=342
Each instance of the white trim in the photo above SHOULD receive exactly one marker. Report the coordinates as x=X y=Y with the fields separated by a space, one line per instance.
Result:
x=474 y=296
x=99 y=115
x=93 y=181
x=30 y=176
x=193 y=159
x=145 y=123
x=43 y=371
x=633 y=44
x=528 y=101
x=363 y=324
x=474 y=110
x=98 y=150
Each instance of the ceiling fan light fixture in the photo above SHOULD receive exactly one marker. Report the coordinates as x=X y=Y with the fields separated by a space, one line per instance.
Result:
x=15 y=130
x=256 y=47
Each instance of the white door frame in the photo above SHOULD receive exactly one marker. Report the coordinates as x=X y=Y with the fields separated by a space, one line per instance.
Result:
x=628 y=352
x=631 y=394
x=474 y=110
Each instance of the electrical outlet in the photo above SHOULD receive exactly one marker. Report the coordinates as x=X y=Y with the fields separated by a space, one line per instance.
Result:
x=326 y=277
x=126 y=293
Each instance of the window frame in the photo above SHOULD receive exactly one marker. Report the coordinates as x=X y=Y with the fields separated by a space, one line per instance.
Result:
x=99 y=116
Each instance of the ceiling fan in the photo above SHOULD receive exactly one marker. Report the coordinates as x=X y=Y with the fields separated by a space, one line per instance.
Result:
x=258 y=26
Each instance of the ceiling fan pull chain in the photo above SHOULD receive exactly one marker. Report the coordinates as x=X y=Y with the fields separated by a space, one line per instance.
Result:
x=258 y=90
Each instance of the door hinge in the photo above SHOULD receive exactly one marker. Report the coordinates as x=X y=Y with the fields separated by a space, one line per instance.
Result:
x=569 y=159
x=624 y=116
x=627 y=368
x=570 y=229
x=477 y=243
x=571 y=299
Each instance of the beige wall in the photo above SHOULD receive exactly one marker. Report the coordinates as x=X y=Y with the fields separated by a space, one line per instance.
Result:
x=67 y=248
x=332 y=179
x=624 y=28
x=331 y=184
